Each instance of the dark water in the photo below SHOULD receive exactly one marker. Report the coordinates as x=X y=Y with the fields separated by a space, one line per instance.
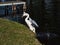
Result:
x=48 y=38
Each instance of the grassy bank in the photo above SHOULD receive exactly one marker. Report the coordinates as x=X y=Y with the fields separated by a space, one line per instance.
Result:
x=13 y=33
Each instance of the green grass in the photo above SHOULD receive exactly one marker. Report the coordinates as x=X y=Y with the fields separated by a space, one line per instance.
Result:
x=13 y=33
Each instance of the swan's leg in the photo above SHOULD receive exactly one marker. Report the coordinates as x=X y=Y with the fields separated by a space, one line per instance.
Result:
x=32 y=29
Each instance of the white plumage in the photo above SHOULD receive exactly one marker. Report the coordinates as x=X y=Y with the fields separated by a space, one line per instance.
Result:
x=31 y=23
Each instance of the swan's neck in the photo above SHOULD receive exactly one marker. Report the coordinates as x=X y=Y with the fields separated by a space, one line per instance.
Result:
x=27 y=17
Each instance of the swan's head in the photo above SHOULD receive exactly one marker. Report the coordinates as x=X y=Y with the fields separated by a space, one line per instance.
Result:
x=25 y=14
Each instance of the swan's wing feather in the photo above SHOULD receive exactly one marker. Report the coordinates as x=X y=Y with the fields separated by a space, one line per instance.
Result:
x=33 y=22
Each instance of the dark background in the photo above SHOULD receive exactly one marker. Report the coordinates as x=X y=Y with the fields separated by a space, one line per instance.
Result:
x=46 y=13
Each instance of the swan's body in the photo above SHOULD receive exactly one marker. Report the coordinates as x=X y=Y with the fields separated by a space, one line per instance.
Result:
x=30 y=22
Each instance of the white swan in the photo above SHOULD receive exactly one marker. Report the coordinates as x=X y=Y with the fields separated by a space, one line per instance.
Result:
x=31 y=23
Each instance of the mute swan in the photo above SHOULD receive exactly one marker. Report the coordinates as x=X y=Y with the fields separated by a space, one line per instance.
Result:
x=31 y=23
